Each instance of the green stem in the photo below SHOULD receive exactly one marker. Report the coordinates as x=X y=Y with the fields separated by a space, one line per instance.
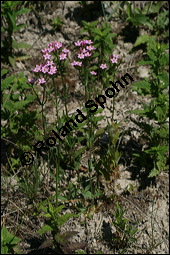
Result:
x=43 y=116
x=57 y=174
x=65 y=93
x=56 y=98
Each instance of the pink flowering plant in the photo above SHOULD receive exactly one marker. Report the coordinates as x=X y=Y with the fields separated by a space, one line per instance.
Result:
x=104 y=41
x=90 y=69
x=56 y=61
x=54 y=65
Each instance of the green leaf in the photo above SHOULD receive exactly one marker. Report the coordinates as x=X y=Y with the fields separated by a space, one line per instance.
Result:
x=62 y=198
x=96 y=38
x=14 y=240
x=111 y=35
x=47 y=215
x=50 y=209
x=143 y=85
x=22 y=11
x=3 y=71
x=58 y=209
x=96 y=45
x=96 y=119
x=87 y=194
x=99 y=111
x=4 y=249
x=140 y=19
x=17 y=45
x=80 y=125
x=64 y=218
x=97 y=31
x=12 y=60
x=154 y=172
x=106 y=31
x=44 y=229
x=18 y=105
x=154 y=8
x=161 y=113
x=142 y=39
x=7 y=81
x=13 y=21
x=19 y=27
x=100 y=131
x=165 y=78
x=129 y=10
x=4 y=233
x=96 y=54
x=113 y=11
x=8 y=238
x=79 y=151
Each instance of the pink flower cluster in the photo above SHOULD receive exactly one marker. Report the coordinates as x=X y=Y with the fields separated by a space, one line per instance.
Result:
x=114 y=58
x=49 y=66
x=53 y=47
x=57 y=49
x=85 y=51
x=76 y=63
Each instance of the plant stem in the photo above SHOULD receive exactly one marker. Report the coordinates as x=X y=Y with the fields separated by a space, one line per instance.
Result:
x=56 y=98
x=43 y=116
x=65 y=94
x=57 y=176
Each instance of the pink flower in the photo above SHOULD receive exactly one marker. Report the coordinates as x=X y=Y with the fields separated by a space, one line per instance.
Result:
x=78 y=43
x=41 y=81
x=37 y=69
x=115 y=56
x=113 y=60
x=50 y=63
x=50 y=45
x=53 y=70
x=93 y=72
x=63 y=56
x=87 y=54
x=44 y=51
x=47 y=56
x=57 y=45
x=81 y=55
x=84 y=42
x=76 y=63
x=88 y=41
x=45 y=69
x=83 y=50
x=90 y=47
x=103 y=66
x=50 y=49
x=65 y=50
x=31 y=80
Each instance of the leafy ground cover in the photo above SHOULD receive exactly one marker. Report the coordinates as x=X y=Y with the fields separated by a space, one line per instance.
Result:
x=102 y=185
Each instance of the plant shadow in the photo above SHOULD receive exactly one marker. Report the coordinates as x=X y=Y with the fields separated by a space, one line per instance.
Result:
x=130 y=33
x=138 y=169
x=89 y=12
